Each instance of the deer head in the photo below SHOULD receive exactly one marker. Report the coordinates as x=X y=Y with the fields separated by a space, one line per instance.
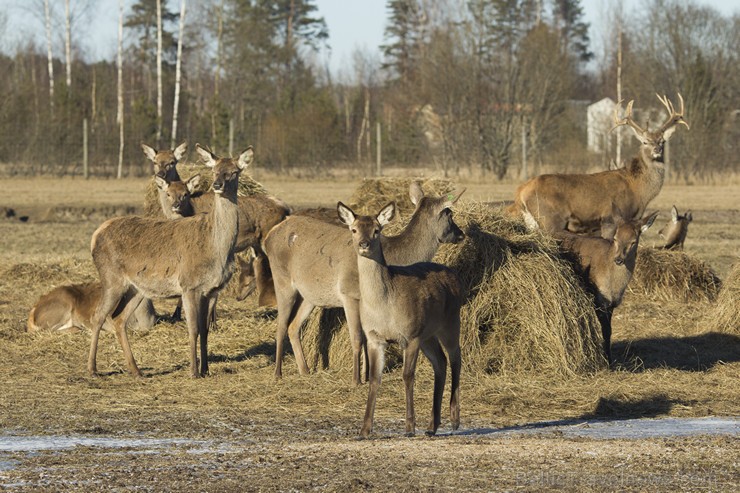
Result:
x=226 y=170
x=626 y=237
x=366 y=229
x=179 y=193
x=439 y=210
x=675 y=231
x=165 y=161
x=654 y=141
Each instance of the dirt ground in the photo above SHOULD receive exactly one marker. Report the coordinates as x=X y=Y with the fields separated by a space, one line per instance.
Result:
x=240 y=430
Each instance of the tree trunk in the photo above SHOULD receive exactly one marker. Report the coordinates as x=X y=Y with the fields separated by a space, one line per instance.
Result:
x=159 y=72
x=68 y=43
x=119 y=115
x=177 y=74
x=47 y=18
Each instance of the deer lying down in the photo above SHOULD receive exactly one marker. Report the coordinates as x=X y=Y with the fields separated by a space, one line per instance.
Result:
x=606 y=265
x=140 y=257
x=417 y=305
x=579 y=202
x=675 y=231
x=313 y=264
x=71 y=308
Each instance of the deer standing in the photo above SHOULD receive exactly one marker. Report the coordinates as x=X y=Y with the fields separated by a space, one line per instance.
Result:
x=675 y=231
x=417 y=305
x=606 y=264
x=313 y=264
x=71 y=308
x=579 y=202
x=191 y=257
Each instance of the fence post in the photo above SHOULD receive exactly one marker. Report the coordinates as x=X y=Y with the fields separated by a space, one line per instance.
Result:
x=85 y=170
x=379 y=147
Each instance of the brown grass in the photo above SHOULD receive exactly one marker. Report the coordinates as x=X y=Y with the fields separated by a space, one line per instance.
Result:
x=374 y=193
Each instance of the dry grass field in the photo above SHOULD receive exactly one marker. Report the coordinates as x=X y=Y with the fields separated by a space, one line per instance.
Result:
x=240 y=430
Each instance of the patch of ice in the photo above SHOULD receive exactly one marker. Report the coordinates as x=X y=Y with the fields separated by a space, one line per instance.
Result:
x=9 y=443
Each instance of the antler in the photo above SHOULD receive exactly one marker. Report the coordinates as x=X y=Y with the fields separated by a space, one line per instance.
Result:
x=674 y=118
x=627 y=120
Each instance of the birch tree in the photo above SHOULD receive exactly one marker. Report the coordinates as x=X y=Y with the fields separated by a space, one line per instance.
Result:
x=68 y=42
x=178 y=65
x=159 y=71
x=119 y=114
x=47 y=22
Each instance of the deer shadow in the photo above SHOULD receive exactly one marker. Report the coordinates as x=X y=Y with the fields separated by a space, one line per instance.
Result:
x=693 y=353
x=262 y=349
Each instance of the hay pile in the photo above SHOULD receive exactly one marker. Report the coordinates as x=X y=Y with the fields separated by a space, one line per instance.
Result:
x=525 y=310
x=725 y=317
x=673 y=275
x=152 y=208
x=374 y=193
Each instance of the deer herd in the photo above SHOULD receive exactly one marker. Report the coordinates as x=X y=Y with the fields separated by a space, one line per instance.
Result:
x=387 y=285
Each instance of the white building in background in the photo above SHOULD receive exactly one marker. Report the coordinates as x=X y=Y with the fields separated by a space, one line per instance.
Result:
x=599 y=121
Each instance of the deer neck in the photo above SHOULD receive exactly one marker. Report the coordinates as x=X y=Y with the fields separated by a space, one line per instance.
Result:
x=225 y=226
x=416 y=243
x=374 y=278
x=649 y=174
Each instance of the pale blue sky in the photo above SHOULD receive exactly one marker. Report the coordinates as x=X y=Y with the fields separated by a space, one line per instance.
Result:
x=352 y=24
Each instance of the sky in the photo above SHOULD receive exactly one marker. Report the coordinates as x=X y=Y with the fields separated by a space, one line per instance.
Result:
x=353 y=24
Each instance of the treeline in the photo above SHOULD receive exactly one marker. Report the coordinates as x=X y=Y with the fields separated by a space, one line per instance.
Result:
x=488 y=86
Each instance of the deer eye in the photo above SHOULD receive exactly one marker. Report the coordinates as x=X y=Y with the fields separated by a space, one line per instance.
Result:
x=354 y=230
x=376 y=232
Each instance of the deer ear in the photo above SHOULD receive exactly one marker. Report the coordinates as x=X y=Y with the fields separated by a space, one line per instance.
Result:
x=668 y=133
x=386 y=214
x=674 y=214
x=245 y=158
x=193 y=183
x=160 y=182
x=646 y=223
x=688 y=216
x=452 y=200
x=608 y=228
x=149 y=151
x=345 y=214
x=181 y=150
x=415 y=192
x=208 y=157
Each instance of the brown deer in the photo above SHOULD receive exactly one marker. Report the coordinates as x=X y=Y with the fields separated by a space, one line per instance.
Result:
x=252 y=277
x=606 y=264
x=165 y=167
x=140 y=257
x=70 y=308
x=257 y=216
x=579 y=202
x=417 y=305
x=313 y=264
x=675 y=231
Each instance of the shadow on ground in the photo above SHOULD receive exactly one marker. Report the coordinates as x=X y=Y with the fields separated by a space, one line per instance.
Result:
x=693 y=353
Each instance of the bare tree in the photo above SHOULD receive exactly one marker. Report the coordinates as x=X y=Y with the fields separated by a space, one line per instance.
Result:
x=119 y=114
x=68 y=42
x=177 y=73
x=47 y=21
x=159 y=71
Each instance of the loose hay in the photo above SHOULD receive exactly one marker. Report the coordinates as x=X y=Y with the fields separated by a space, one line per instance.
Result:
x=374 y=193
x=525 y=311
x=247 y=186
x=725 y=317
x=673 y=275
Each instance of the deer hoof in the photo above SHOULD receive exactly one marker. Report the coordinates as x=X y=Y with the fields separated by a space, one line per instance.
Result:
x=430 y=433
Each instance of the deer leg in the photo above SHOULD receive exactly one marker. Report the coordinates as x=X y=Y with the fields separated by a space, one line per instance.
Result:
x=605 y=318
x=356 y=339
x=286 y=307
x=120 y=322
x=433 y=351
x=302 y=312
x=212 y=312
x=207 y=315
x=376 y=361
x=264 y=280
x=410 y=357
x=177 y=314
x=109 y=300
x=191 y=304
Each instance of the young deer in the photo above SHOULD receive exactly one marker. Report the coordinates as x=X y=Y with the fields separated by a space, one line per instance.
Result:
x=165 y=167
x=606 y=265
x=71 y=308
x=191 y=257
x=417 y=305
x=675 y=231
x=313 y=264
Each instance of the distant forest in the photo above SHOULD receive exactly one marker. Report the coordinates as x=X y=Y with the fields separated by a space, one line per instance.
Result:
x=485 y=86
